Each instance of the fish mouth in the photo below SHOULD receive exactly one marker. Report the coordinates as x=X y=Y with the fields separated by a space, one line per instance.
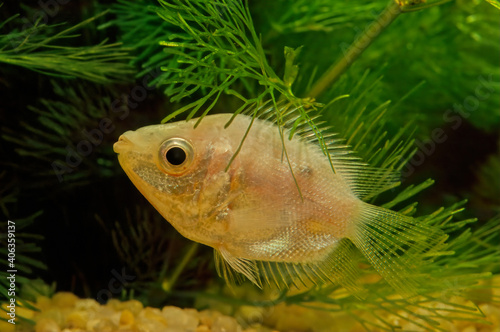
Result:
x=122 y=144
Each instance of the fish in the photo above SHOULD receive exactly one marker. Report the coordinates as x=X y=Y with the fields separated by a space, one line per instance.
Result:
x=278 y=207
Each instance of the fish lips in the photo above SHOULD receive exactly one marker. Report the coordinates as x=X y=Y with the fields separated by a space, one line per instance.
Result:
x=122 y=144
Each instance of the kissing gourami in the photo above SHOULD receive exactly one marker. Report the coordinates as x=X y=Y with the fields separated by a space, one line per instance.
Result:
x=276 y=208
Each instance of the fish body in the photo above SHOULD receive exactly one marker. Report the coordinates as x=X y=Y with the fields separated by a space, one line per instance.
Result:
x=270 y=199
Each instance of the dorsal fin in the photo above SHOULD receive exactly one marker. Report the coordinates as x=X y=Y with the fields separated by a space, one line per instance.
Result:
x=365 y=181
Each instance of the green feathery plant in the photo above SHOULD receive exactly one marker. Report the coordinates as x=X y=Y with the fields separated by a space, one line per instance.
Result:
x=187 y=64
x=494 y=3
x=218 y=50
x=142 y=246
x=58 y=130
x=25 y=246
x=40 y=48
x=461 y=267
x=236 y=55
x=213 y=53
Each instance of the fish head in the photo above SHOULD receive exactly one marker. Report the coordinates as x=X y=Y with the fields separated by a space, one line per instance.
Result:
x=181 y=171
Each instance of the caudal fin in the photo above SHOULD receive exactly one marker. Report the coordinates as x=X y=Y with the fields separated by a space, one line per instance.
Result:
x=396 y=245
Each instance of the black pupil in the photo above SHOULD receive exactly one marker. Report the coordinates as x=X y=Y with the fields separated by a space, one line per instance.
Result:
x=176 y=156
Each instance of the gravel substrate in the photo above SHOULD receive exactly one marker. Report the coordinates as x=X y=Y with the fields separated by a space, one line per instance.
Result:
x=65 y=312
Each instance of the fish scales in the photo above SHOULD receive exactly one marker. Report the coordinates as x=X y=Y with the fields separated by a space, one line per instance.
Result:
x=278 y=201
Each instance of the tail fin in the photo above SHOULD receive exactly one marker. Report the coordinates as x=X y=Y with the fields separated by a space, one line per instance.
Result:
x=396 y=245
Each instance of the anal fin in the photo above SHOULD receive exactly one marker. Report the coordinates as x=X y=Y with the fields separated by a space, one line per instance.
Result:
x=339 y=267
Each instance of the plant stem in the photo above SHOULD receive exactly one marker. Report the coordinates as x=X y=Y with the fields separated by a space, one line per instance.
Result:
x=371 y=32
x=169 y=283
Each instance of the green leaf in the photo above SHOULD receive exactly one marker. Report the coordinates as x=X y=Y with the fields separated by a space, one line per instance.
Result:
x=494 y=3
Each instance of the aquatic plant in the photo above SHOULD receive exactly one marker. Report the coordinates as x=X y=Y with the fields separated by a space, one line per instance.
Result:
x=40 y=47
x=61 y=129
x=16 y=255
x=215 y=49
x=232 y=56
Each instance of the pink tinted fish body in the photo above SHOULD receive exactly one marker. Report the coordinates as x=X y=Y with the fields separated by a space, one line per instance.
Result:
x=253 y=214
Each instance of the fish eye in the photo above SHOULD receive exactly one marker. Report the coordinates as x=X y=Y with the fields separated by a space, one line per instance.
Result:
x=176 y=155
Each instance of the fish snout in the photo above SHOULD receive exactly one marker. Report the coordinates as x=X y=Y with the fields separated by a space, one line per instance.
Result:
x=122 y=144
